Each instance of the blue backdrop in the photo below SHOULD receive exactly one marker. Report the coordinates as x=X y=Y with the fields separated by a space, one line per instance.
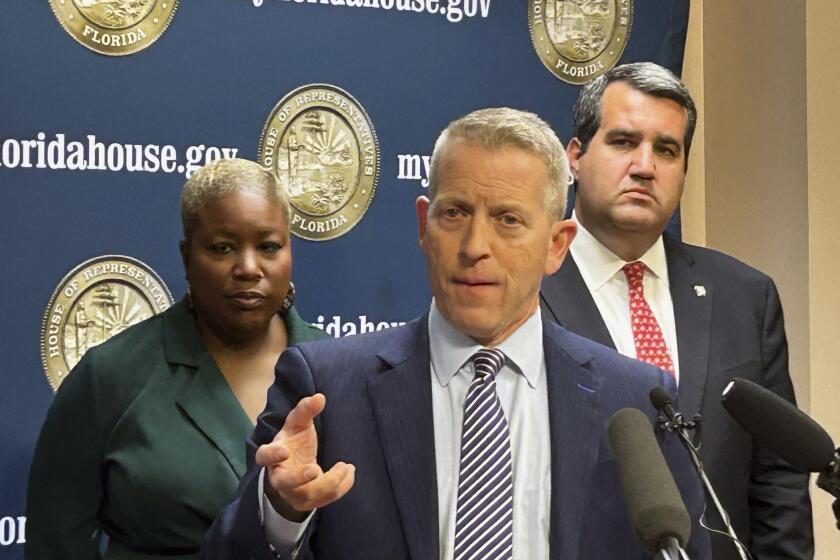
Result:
x=212 y=79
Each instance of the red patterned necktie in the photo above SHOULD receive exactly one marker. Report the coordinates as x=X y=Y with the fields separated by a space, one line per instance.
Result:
x=650 y=344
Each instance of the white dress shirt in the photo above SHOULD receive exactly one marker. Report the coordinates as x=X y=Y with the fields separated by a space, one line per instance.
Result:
x=522 y=389
x=602 y=272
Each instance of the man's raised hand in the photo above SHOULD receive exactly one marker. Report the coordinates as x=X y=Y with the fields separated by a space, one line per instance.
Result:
x=295 y=483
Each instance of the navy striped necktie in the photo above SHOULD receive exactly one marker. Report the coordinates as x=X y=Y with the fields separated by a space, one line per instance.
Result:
x=484 y=514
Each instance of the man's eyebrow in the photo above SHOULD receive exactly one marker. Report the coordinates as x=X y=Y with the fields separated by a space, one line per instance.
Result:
x=451 y=200
x=623 y=133
x=509 y=206
x=661 y=139
x=669 y=140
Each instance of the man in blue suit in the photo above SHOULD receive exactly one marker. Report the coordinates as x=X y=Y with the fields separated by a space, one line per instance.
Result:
x=475 y=431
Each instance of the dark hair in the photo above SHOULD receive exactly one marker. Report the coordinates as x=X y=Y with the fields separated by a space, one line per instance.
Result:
x=646 y=77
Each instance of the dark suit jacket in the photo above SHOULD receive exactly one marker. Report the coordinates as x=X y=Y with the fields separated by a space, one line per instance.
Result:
x=379 y=417
x=735 y=330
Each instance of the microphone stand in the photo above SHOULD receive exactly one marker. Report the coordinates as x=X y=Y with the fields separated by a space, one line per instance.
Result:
x=829 y=480
x=676 y=423
x=669 y=549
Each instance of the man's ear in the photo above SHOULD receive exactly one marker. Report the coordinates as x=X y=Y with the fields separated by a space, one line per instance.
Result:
x=422 y=205
x=574 y=151
x=562 y=233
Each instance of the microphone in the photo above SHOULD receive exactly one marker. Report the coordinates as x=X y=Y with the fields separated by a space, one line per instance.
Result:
x=674 y=421
x=779 y=425
x=654 y=505
x=792 y=434
x=662 y=401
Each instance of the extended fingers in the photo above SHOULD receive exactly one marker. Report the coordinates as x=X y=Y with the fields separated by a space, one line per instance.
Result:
x=271 y=454
x=323 y=490
x=302 y=415
x=286 y=478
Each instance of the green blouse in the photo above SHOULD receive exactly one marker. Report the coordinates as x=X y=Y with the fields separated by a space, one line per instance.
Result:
x=145 y=441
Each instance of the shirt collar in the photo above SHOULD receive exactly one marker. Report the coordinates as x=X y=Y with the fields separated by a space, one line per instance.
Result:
x=450 y=349
x=598 y=265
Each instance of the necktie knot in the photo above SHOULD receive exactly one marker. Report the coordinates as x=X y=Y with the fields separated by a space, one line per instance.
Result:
x=488 y=362
x=635 y=272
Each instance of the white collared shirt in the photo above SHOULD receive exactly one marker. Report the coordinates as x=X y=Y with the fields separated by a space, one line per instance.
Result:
x=601 y=271
x=522 y=390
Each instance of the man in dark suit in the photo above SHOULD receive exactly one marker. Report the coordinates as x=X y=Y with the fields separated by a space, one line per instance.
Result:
x=477 y=430
x=701 y=314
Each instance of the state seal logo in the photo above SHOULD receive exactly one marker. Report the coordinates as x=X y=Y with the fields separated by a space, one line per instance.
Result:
x=114 y=27
x=578 y=40
x=321 y=145
x=96 y=300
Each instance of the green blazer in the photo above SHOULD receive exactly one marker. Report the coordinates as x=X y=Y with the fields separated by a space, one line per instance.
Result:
x=144 y=441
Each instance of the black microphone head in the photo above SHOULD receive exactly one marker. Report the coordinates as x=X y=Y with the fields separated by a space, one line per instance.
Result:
x=779 y=425
x=654 y=504
x=660 y=398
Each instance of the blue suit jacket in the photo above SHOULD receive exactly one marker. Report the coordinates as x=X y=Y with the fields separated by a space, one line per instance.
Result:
x=379 y=417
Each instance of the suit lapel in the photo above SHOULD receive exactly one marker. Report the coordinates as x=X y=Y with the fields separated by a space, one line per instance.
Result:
x=208 y=401
x=401 y=396
x=575 y=425
x=206 y=398
x=692 y=296
x=567 y=299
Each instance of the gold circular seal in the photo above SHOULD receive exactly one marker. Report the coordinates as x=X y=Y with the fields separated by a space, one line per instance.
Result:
x=578 y=40
x=322 y=147
x=96 y=300
x=114 y=27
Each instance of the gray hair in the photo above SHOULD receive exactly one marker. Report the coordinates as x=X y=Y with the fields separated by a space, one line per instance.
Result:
x=222 y=177
x=646 y=77
x=499 y=127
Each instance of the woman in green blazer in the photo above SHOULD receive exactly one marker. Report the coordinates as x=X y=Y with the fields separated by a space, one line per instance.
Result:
x=145 y=441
